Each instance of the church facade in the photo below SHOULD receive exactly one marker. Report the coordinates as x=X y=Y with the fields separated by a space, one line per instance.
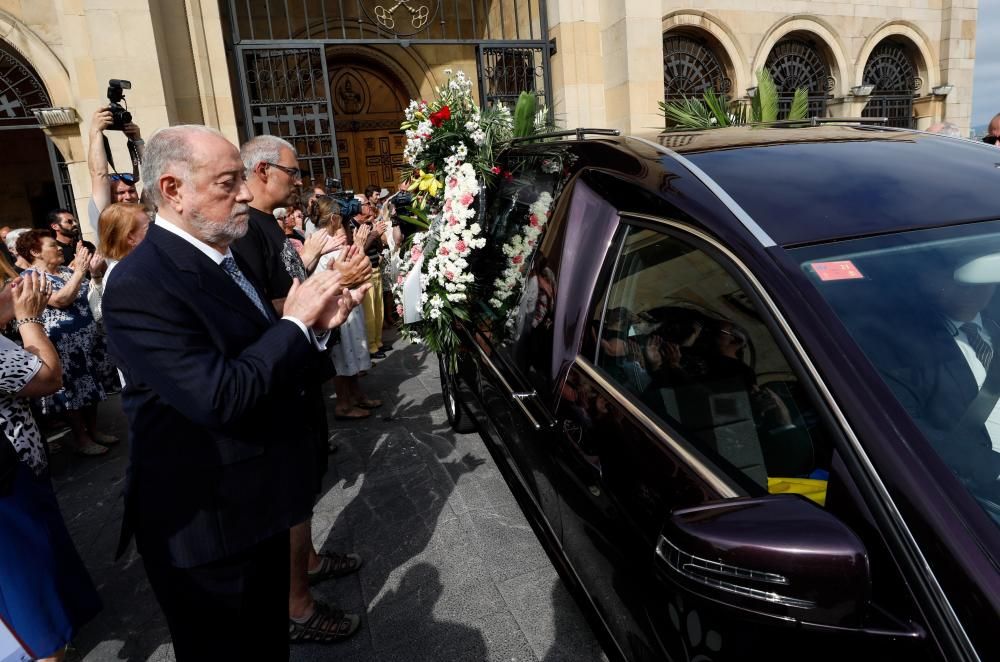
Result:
x=333 y=76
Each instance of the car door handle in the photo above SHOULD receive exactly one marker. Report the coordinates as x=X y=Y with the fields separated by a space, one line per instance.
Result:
x=519 y=397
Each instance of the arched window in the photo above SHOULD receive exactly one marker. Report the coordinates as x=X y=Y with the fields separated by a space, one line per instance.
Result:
x=20 y=90
x=795 y=63
x=895 y=79
x=690 y=67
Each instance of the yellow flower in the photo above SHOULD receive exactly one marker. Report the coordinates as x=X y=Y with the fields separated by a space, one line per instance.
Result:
x=426 y=181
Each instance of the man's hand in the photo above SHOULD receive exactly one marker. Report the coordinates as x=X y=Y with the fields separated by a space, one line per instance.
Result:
x=101 y=121
x=353 y=267
x=132 y=131
x=322 y=302
x=337 y=313
x=361 y=235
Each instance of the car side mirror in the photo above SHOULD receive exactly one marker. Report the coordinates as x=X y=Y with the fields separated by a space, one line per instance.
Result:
x=778 y=555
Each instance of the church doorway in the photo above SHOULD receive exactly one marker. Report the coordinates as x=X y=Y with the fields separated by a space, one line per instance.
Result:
x=368 y=102
x=35 y=182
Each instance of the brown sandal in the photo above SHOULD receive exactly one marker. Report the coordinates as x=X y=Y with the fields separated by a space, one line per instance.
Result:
x=333 y=565
x=352 y=414
x=327 y=625
x=369 y=403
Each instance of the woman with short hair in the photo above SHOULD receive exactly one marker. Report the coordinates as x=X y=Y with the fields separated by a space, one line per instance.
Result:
x=70 y=324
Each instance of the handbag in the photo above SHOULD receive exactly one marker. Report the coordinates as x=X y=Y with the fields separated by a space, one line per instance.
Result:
x=94 y=295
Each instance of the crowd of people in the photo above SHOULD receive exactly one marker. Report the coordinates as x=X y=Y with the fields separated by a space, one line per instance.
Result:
x=235 y=297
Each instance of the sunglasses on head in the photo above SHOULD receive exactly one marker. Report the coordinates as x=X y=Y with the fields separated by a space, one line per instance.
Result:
x=127 y=178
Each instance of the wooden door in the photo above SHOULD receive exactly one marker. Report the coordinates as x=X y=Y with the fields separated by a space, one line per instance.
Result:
x=368 y=109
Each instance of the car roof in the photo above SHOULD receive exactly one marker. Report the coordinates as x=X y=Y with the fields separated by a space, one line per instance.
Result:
x=821 y=183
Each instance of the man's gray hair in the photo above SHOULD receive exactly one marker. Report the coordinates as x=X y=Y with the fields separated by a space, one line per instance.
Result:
x=169 y=149
x=263 y=149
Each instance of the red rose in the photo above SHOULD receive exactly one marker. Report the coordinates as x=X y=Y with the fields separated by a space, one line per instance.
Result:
x=441 y=116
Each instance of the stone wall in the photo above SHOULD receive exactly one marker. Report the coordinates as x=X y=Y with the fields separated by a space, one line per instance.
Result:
x=607 y=69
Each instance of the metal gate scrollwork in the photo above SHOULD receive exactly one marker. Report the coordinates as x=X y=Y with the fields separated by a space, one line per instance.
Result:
x=889 y=69
x=401 y=17
x=690 y=68
x=506 y=71
x=794 y=63
x=287 y=96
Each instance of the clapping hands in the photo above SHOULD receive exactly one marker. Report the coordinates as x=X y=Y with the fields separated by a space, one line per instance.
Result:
x=82 y=259
x=31 y=295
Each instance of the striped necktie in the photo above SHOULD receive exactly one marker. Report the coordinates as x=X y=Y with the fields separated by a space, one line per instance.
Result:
x=229 y=265
x=982 y=348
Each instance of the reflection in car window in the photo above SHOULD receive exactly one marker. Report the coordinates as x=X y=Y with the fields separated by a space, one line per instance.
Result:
x=923 y=307
x=682 y=336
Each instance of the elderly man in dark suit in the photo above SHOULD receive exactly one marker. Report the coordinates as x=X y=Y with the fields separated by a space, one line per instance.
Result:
x=938 y=357
x=216 y=467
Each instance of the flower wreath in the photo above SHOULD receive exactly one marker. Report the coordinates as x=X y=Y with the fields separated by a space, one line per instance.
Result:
x=449 y=155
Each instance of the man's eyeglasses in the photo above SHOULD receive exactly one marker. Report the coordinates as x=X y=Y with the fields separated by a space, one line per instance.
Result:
x=127 y=178
x=294 y=173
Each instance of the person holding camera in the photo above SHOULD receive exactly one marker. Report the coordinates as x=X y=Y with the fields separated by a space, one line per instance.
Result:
x=108 y=187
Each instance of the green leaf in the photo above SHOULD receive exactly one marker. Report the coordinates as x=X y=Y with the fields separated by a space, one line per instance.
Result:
x=688 y=114
x=800 y=105
x=767 y=93
x=717 y=106
x=524 y=115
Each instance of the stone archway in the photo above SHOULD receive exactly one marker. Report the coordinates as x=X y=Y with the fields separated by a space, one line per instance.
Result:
x=36 y=182
x=368 y=100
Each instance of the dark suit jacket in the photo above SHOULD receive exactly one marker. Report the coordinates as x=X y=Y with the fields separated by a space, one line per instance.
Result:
x=215 y=464
x=933 y=381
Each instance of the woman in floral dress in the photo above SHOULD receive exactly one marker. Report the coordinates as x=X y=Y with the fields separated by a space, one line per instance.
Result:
x=71 y=326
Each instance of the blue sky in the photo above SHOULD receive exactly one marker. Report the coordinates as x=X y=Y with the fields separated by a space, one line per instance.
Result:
x=986 y=86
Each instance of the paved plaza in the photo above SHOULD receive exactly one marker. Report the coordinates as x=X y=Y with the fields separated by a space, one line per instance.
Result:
x=452 y=569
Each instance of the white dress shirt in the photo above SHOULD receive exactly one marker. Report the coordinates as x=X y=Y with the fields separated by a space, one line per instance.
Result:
x=979 y=370
x=318 y=341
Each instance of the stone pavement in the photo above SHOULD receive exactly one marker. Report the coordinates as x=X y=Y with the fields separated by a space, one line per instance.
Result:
x=452 y=569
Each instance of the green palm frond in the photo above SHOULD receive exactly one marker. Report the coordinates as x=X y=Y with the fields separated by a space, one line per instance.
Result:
x=800 y=105
x=717 y=106
x=687 y=113
x=767 y=92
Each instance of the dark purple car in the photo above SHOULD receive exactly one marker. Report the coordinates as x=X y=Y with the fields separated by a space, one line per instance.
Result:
x=744 y=386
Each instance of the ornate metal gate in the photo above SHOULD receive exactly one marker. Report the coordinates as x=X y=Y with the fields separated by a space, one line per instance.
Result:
x=794 y=63
x=889 y=69
x=690 y=67
x=285 y=93
x=280 y=52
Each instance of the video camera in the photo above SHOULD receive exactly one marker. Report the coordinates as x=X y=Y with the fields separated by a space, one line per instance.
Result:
x=119 y=114
x=349 y=205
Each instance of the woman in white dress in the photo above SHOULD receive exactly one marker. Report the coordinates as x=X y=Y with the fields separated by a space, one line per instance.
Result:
x=350 y=355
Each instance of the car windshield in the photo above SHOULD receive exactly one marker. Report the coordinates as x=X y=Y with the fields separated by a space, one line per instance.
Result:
x=924 y=308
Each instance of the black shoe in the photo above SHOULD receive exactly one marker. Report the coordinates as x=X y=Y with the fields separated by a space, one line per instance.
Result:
x=377 y=355
x=385 y=348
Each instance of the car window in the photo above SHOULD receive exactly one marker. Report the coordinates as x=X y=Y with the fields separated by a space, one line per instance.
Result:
x=680 y=335
x=924 y=308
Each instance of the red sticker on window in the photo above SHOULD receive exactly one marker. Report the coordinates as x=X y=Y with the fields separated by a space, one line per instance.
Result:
x=839 y=270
